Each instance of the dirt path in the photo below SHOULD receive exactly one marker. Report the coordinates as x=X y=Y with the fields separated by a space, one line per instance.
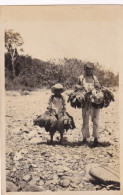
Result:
x=55 y=167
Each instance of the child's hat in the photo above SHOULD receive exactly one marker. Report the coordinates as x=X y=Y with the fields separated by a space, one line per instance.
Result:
x=57 y=87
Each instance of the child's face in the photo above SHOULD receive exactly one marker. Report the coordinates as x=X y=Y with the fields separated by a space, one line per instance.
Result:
x=57 y=92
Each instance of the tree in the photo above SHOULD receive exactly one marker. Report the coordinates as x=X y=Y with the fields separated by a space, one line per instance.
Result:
x=13 y=43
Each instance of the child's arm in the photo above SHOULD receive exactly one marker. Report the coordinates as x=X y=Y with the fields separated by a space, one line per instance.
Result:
x=64 y=105
x=50 y=103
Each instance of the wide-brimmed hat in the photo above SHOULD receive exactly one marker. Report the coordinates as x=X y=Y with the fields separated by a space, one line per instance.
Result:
x=89 y=65
x=57 y=88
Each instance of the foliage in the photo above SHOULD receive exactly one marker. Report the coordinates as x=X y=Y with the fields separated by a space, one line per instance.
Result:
x=34 y=73
x=13 y=41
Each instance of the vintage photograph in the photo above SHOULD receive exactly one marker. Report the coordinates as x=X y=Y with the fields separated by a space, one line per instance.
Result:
x=61 y=69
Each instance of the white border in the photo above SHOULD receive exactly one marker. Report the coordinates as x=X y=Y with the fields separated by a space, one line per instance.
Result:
x=59 y=2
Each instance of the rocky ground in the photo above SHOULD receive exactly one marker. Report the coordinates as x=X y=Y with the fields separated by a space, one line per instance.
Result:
x=34 y=165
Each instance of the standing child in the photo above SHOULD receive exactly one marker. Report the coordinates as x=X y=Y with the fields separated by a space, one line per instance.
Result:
x=56 y=118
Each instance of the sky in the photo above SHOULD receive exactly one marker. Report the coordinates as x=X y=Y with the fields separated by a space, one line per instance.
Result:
x=86 y=32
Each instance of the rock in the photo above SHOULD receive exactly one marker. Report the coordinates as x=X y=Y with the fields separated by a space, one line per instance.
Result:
x=52 y=187
x=32 y=134
x=36 y=140
x=64 y=183
x=55 y=177
x=11 y=187
x=60 y=174
x=33 y=188
x=66 y=169
x=12 y=175
x=27 y=178
x=36 y=177
x=76 y=179
x=18 y=156
x=48 y=182
x=73 y=185
x=41 y=183
x=55 y=181
x=7 y=172
x=43 y=153
x=34 y=165
x=24 y=151
x=25 y=131
x=14 y=169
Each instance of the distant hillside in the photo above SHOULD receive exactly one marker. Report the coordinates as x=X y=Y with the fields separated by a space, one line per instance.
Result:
x=34 y=73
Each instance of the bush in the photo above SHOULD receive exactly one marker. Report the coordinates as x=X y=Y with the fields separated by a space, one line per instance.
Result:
x=34 y=73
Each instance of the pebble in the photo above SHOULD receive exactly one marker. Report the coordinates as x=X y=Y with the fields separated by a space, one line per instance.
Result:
x=33 y=188
x=7 y=172
x=34 y=165
x=75 y=179
x=32 y=134
x=11 y=187
x=24 y=151
x=14 y=169
x=27 y=178
x=41 y=183
x=35 y=140
x=18 y=156
x=73 y=185
x=66 y=169
x=64 y=183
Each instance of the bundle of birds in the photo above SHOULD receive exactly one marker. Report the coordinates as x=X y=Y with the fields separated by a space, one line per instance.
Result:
x=77 y=97
x=45 y=120
x=66 y=122
x=101 y=98
x=53 y=123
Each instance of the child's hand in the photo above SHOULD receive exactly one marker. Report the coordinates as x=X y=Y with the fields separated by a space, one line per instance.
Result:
x=53 y=111
x=97 y=86
x=49 y=108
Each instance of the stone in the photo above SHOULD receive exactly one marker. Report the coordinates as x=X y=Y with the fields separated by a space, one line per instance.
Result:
x=27 y=178
x=8 y=172
x=48 y=182
x=36 y=140
x=55 y=181
x=41 y=183
x=33 y=188
x=55 y=177
x=34 y=165
x=66 y=169
x=11 y=187
x=64 y=183
x=14 y=169
x=76 y=179
x=36 y=177
x=73 y=185
x=18 y=156
x=24 y=151
x=32 y=134
x=60 y=174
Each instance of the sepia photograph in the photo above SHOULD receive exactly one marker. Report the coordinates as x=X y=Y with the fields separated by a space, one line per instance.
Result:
x=61 y=86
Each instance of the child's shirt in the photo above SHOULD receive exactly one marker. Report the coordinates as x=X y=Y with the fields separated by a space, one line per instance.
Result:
x=57 y=103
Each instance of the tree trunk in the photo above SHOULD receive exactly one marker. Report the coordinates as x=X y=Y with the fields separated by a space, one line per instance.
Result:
x=13 y=68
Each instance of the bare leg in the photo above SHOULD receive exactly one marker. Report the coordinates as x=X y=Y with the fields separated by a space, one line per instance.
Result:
x=51 y=136
x=61 y=134
x=95 y=144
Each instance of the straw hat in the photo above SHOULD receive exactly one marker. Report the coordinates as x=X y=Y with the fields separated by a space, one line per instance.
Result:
x=57 y=88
